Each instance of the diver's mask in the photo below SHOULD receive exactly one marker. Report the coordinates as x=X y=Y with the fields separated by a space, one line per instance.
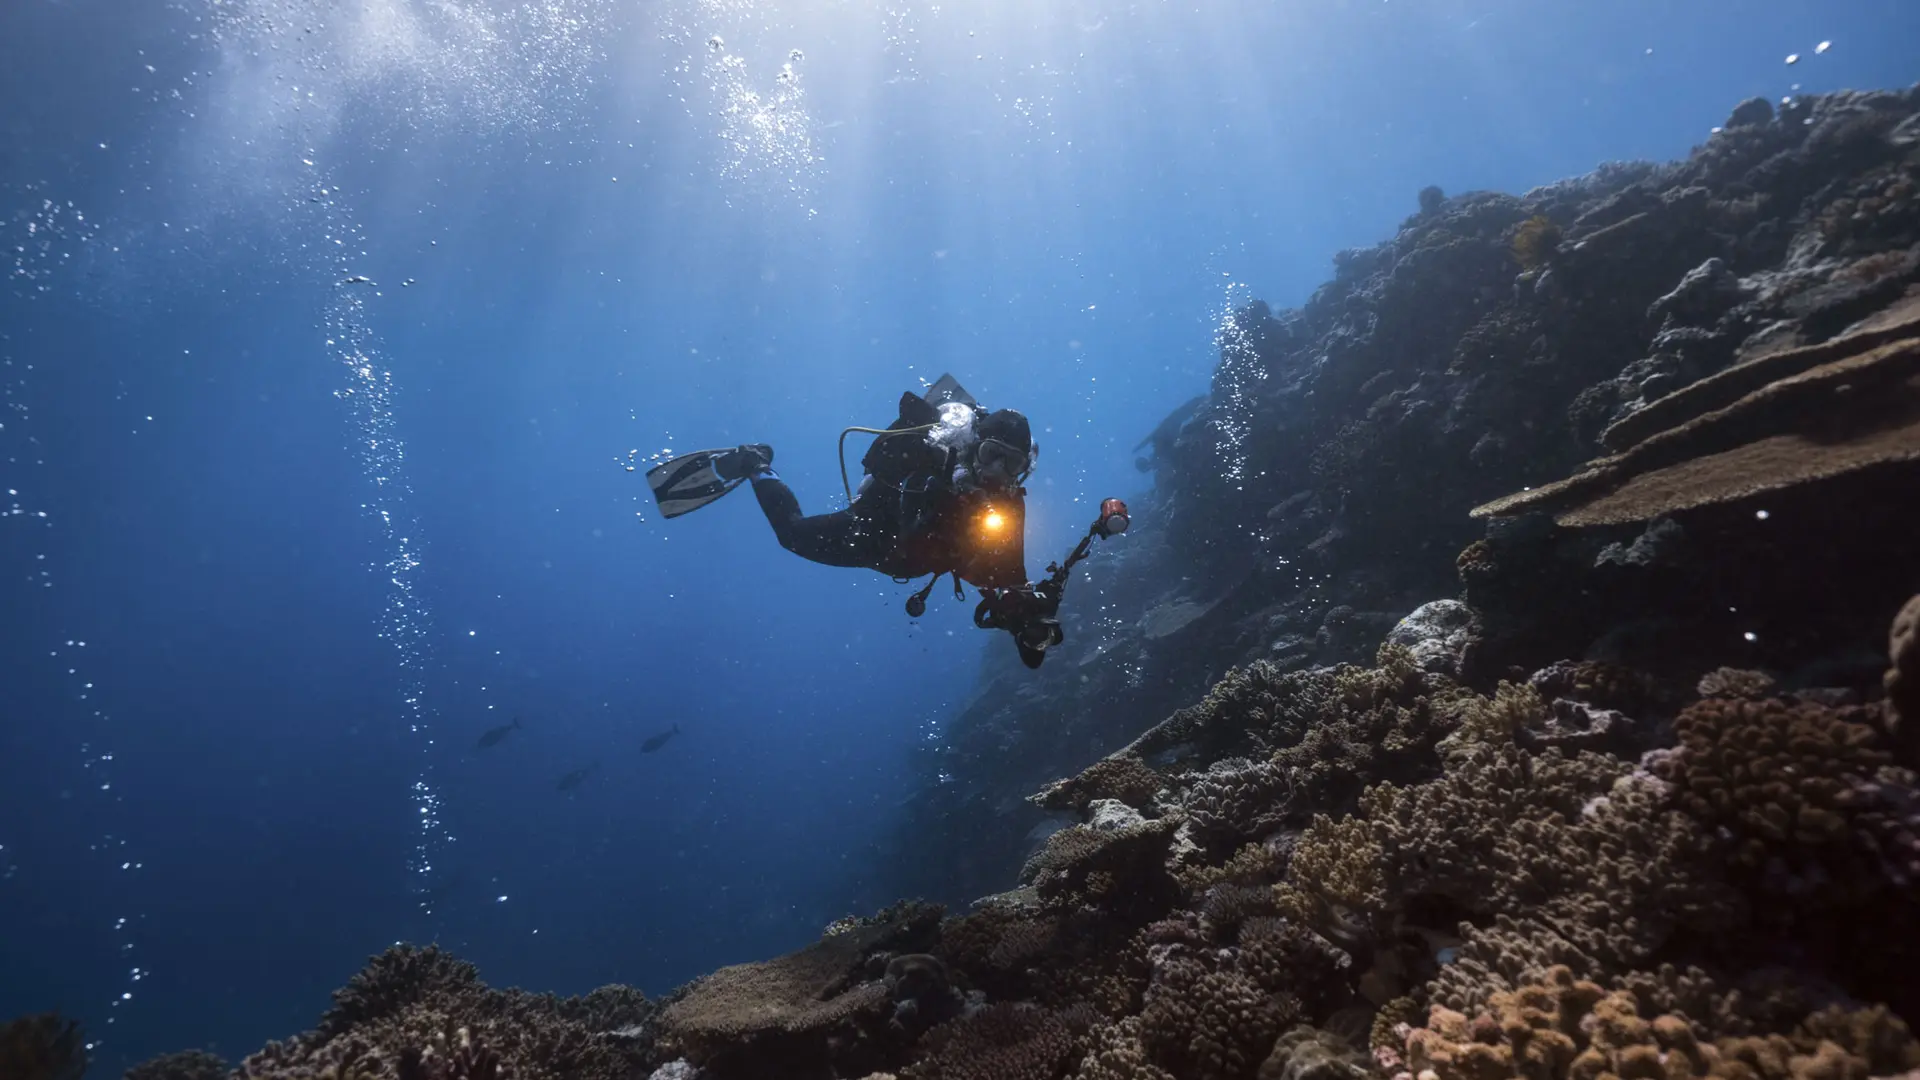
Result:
x=1002 y=462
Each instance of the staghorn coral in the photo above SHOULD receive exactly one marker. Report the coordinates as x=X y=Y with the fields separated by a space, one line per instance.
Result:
x=42 y=1047
x=1563 y=1028
x=185 y=1065
x=1002 y=1041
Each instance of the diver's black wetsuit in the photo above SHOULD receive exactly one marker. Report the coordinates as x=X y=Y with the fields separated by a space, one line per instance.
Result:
x=870 y=533
x=909 y=519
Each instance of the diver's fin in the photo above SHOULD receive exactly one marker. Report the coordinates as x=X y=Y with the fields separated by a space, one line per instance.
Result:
x=684 y=484
x=947 y=388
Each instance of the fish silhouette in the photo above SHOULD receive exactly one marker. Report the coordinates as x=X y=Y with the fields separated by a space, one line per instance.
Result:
x=575 y=778
x=493 y=736
x=660 y=740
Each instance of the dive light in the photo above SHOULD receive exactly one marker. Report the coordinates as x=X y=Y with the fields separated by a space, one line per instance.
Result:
x=1113 y=518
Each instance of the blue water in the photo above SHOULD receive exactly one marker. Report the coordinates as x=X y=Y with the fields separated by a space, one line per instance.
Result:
x=260 y=765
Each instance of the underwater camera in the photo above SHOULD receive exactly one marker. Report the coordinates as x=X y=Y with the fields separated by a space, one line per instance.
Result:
x=1031 y=613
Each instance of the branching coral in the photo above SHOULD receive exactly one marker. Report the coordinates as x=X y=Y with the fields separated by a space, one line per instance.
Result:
x=1728 y=682
x=1210 y=1024
x=1082 y=864
x=1580 y=840
x=1116 y=1054
x=409 y=1001
x=185 y=1065
x=1003 y=1042
x=393 y=980
x=1563 y=1028
x=1122 y=776
x=1784 y=777
x=42 y=1047
x=457 y=1056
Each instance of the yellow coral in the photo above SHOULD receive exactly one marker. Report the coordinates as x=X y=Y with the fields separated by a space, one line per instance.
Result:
x=1536 y=242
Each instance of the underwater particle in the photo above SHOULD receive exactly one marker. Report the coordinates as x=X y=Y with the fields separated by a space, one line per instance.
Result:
x=1750 y=636
x=501 y=899
x=796 y=55
x=1793 y=58
x=716 y=43
x=1761 y=515
x=1822 y=47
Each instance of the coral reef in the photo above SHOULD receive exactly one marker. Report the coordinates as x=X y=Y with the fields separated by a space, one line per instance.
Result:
x=1720 y=353
x=185 y=1065
x=42 y=1047
x=421 y=1014
x=1626 y=790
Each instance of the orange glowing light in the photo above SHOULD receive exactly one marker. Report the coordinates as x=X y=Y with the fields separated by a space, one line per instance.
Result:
x=993 y=521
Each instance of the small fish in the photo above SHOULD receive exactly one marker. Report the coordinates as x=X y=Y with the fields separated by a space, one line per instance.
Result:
x=660 y=740
x=494 y=735
x=575 y=778
x=358 y=279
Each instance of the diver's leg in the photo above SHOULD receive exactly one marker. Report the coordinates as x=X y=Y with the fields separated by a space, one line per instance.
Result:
x=837 y=539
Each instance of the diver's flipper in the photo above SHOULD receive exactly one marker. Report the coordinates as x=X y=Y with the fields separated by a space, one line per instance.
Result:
x=684 y=484
x=947 y=388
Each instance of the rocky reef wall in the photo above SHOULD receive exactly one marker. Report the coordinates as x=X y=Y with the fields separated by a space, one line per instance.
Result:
x=1522 y=682
x=1323 y=490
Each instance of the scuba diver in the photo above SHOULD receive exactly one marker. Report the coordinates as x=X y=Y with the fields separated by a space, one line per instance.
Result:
x=941 y=495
